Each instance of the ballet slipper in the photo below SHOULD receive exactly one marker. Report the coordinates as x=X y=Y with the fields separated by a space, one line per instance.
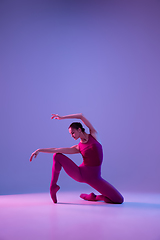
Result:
x=53 y=190
x=88 y=197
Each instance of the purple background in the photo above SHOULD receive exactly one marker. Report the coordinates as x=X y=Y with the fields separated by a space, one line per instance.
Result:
x=101 y=58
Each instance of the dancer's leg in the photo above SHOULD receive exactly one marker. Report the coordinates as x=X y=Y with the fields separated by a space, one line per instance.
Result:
x=56 y=168
x=92 y=176
x=109 y=193
x=93 y=197
x=59 y=161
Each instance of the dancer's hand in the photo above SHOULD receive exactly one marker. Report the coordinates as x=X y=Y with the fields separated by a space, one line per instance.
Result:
x=56 y=116
x=34 y=154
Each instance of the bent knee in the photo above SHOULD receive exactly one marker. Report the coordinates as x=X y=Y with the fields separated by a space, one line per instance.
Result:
x=120 y=200
x=56 y=155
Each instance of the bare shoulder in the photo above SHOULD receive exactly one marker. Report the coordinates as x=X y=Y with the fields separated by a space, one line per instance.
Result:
x=94 y=134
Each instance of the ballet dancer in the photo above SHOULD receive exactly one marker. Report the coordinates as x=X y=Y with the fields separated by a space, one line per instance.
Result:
x=89 y=171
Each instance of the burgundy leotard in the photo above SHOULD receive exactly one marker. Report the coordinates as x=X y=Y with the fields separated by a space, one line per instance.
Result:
x=91 y=151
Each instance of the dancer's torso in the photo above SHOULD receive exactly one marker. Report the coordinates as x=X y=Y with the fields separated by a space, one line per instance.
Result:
x=91 y=151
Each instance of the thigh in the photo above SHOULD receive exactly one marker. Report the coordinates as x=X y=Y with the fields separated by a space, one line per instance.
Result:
x=90 y=174
x=70 y=167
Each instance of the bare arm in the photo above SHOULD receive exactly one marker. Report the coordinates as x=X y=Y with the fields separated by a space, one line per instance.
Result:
x=71 y=150
x=92 y=130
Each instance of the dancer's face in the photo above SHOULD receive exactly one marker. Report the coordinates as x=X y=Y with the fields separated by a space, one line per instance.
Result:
x=75 y=133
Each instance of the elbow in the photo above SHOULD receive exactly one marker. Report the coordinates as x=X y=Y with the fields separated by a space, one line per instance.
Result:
x=56 y=150
x=81 y=116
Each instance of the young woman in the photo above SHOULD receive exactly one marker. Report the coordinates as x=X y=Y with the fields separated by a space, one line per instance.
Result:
x=89 y=171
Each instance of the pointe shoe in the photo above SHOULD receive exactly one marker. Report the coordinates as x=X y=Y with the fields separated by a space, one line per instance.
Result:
x=53 y=190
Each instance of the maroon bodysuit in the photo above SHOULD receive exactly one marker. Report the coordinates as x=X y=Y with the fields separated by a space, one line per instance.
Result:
x=91 y=151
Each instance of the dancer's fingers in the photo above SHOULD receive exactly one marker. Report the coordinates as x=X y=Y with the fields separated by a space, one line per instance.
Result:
x=31 y=158
x=54 y=116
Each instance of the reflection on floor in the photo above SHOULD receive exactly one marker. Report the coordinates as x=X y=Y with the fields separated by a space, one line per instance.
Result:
x=34 y=216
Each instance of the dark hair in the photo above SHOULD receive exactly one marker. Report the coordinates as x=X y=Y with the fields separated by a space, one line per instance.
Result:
x=77 y=125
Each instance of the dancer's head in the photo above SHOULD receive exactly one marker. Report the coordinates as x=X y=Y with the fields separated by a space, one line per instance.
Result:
x=75 y=129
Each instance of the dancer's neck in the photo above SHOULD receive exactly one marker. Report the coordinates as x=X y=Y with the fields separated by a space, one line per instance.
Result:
x=84 y=138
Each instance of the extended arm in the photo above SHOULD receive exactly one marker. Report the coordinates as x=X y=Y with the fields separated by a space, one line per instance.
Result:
x=77 y=116
x=71 y=150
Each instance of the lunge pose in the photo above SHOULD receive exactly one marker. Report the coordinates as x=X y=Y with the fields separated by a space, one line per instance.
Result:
x=89 y=171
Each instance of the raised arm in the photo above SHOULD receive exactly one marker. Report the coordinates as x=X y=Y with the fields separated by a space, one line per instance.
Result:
x=77 y=116
x=72 y=150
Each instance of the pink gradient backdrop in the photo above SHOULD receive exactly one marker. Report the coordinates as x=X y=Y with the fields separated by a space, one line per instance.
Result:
x=97 y=57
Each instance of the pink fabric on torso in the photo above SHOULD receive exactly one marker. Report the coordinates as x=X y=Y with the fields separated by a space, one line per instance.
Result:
x=91 y=151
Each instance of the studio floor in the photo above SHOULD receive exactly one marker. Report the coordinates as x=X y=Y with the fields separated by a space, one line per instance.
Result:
x=34 y=216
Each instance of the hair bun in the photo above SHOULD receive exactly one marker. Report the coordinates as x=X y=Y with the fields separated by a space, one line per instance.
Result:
x=77 y=125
